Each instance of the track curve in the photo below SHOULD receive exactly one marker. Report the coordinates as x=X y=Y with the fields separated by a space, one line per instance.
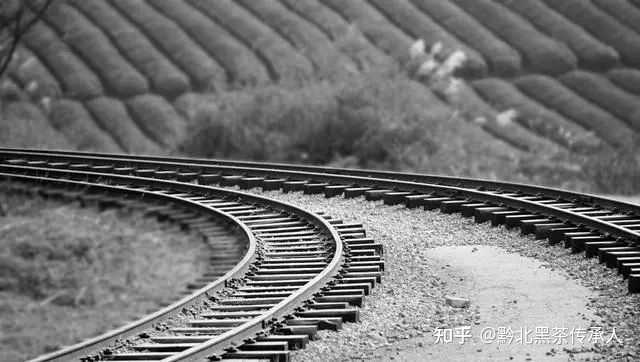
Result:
x=601 y=227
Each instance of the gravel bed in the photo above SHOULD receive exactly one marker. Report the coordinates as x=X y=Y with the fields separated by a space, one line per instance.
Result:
x=410 y=301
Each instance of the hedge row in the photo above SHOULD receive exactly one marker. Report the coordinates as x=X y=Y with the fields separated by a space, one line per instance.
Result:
x=239 y=61
x=602 y=92
x=556 y=96
x=72 y=119
x=311 y=42
x=603 y=26
x=17 y=125
x=118 y=76
x=283 y=61
x=591 y=53
x=476 y=109
x=419 y=25
x=204 y=72
x=111 y=115
x=501 y=58
x=157 y=119
x=346 y=37
x=536 y=117
x=540 y=53
x=626 y=78
x=165 y=78
x=374 y=26
x=28 y=69
x=76 y=79
x=622 y=10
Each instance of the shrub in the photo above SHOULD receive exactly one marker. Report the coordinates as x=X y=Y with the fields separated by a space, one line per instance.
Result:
x=165 y=78
x=72 y=119
x=374 y=26
x=242 y=65
x=284 y=62
x=544 y=122
x=603 y=26
x=329 y=62
x=591 y=53
x=76 y=79
x=602 y=92
x=626 y=78
x=157 y=118
x=205 y=73
x=554 y=95
x=111 y=115
x=22 y=124
x=501 y=58
x=540 y=53
x=96 y=49
x=622 y=10
x=373 y=121
x=346 y=37
x=405 y=16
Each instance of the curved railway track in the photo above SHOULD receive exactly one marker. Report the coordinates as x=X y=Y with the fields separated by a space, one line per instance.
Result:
x=600 y=227
x=301 y=272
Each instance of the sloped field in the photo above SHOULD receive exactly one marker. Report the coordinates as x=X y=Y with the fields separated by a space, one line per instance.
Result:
x=108 y=74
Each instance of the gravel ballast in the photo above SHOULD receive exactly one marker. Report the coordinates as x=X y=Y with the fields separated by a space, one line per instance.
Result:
x=410 y=302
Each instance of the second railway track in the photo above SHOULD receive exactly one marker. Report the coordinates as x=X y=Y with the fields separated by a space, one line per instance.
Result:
x=599 y=227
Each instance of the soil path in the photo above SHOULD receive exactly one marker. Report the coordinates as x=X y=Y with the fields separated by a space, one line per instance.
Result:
x=510 y=291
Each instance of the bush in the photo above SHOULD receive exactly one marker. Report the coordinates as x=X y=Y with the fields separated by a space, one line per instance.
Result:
x=591 y=53
x=96 y=49
x=603 y=26
x=165 y=78
x=157 y=118
x=73 y=120
x=76 y=79
x=241 y=64
x=602 y=92
x=544 y=122
x=626 y=78
x=501 y=58
x=329 y=62
x=554 y=95
x=23 y=125
x=373 y=122
x=111 y=115
x=622 y=10
x=405 y=16
x=540 y=53
x=346 y=37
x=205 y=73
x=382 y=34
x=284 y=63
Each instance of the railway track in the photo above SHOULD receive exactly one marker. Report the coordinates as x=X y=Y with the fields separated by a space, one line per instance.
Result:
x=301 y=272
x=599 y=227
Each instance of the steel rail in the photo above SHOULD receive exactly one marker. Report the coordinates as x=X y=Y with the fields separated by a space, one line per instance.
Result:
x=218 y=344
x=587 y=198
x=473 y=194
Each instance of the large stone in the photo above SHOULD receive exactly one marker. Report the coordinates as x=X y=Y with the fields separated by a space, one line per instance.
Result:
x=457 y=302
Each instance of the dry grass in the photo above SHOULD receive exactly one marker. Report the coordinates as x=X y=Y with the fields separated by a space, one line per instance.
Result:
x=67 y=273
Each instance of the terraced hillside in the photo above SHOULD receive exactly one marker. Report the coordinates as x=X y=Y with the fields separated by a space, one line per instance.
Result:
x=111 y=75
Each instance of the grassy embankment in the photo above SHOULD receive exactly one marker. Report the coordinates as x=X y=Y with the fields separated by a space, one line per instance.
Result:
x=68 y=273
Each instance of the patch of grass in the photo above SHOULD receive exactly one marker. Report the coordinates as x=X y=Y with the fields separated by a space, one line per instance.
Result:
x=384 y=121
x=68 y=273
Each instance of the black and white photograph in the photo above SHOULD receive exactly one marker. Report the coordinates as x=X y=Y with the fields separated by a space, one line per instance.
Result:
x=319 y=180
